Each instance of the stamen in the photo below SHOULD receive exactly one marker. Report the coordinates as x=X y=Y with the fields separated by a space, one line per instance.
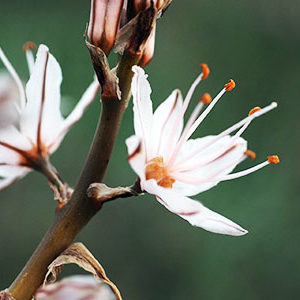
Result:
x=186 y=102
x=273 y=159
x=205 y=70
x=241 y=131
x=206 y=98
x=15 y=76
x=27 y=47
x=251 y=154
x=250 y=170
x=230 y=85
x=191 y=130
x=206 y=112
x=227 y=132
x=245 y=126
x=192 y=118
x=192 y=180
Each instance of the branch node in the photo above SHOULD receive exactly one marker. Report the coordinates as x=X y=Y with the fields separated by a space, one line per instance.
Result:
x=108 y=80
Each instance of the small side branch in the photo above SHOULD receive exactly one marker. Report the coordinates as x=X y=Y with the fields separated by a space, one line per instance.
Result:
x=100 y=193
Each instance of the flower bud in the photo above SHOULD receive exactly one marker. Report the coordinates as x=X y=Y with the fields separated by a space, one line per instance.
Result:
x=78 y=287
x=104 y=23
x=148 y=50
x=143 y=4
x=161 y=6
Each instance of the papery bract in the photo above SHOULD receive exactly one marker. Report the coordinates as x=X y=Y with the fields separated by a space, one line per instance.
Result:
x=172 y=166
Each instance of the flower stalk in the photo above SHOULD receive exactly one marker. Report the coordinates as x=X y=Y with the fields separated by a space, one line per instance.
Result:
x=76 y=213
x=80 y=209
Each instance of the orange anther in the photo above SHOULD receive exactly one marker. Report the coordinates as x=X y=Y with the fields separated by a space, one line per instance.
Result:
x=166 y=182
x=155 y=169
x=206 y=98
x=251 y=154
x=205 y=70
x=254 y=110
x=29 y=46
x=273 y=159
x=230 y=85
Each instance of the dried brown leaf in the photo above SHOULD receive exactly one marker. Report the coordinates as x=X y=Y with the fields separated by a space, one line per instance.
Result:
x=78 y=254
x=107 y=78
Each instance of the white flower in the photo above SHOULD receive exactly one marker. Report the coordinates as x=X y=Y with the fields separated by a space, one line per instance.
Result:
x=171 y=166
x=78 y=287
x=40 y=126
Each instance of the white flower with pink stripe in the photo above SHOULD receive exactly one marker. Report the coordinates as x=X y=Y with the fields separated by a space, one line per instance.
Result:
x=39 y=126
x=172 y=166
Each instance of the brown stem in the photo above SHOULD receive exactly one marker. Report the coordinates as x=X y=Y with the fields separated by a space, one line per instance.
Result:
x=75 y=215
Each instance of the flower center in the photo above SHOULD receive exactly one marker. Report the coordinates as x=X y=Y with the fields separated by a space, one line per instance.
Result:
x=155 y=169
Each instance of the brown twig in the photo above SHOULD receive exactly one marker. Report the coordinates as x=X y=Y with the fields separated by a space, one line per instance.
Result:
x=75 y=215
x=72 y=217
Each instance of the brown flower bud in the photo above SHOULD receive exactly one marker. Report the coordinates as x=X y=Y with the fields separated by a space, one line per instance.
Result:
x=149 y=50
x=143 y=4
x=104 y=23
x=161 y=6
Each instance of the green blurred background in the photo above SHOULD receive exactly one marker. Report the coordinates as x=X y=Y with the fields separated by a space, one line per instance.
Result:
x=148 y=252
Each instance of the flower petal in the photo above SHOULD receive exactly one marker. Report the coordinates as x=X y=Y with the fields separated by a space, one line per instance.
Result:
x=86 y=99
x=201 y=150
x=9 y=156
x=16 y=78
x=136 y=155
x=42 y=115
x=163 y=123
x=9 y=174
x=142 y=107
x=9 y=100
x=218 y=159
x=192 y=211
x=6 y=182
x=10 y=135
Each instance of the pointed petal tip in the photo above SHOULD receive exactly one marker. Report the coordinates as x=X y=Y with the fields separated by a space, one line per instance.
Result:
x=178 y=92
x=43 y=48
x=214 y=222
x=240 y=231
x=221 y=228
